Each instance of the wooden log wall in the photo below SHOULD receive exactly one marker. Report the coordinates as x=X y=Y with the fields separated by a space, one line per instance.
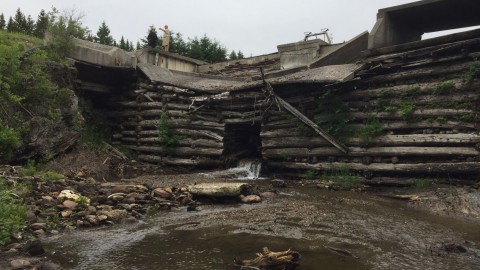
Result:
x=197 y=119
x=410 y=114
x=413 y=113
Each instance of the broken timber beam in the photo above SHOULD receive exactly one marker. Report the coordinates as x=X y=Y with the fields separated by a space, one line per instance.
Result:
x=310 y=123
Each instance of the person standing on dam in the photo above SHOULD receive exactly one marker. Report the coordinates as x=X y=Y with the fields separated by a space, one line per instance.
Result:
x=166 y=38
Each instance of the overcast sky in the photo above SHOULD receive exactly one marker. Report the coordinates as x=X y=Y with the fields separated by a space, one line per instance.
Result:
x=253 y=26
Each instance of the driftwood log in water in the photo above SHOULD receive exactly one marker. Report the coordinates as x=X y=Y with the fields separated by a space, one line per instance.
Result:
x=270 y=260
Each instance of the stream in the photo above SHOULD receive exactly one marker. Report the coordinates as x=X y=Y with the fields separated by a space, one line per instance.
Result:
x=330 y=229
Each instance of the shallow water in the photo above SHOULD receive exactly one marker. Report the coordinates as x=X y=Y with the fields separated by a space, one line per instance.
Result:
x=379 y=234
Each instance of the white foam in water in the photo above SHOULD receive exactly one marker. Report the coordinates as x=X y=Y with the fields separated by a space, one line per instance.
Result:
x=245 y=170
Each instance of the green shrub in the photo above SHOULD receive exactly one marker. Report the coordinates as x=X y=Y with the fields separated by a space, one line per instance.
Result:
x=12 y=213
x=166 y=136
x=445 y=87
x=92 y=138
x=310 y=174
x=343 y=177
x=372 y=129
x=472 y=73
x=30 y=168
x=9 y=142
x=50 y=175
x=422 y=183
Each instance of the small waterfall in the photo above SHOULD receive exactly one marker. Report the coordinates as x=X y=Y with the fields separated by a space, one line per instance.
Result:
x=250 y=168
x=246 y=170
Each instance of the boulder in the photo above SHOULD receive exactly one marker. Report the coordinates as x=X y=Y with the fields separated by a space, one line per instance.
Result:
x=69 y=204
x=38 y=226
x=20 y=264
x=250 y=199
x=227 y=189
x=68 y=195
x=116 y=214
x=162 y=193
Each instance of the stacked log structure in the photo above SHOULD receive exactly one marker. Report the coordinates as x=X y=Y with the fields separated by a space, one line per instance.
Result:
x=408 y=113
x=194 y=120
x=413 y=114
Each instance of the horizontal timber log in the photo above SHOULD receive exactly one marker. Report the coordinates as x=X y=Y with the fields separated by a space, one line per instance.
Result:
x=418 y=73
x=190 y=132
x=202 y=143
x=176 y=123
x=372 y=151
x=200 y=162
x=459 y=167
x=177 y=151
x=386 y=140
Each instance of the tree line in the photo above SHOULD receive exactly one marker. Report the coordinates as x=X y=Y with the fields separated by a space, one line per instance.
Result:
x=201 y=48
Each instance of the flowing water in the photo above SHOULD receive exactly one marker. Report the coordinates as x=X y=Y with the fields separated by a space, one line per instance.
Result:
x=372 y=231
x=246 y=170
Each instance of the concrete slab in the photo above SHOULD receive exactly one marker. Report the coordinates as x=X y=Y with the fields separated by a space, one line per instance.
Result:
x=102 y=55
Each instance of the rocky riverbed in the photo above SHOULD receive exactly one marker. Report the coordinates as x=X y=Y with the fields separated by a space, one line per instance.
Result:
x=83 y=223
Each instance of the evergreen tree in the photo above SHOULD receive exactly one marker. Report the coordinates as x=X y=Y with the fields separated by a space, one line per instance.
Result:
x=240 y=55
x=138 y=45
x=10 y=25
x=131 y=48
x=122 y=44
x=41 y=25
x=233 y=56
x=207 y=50
x=103 y=35
x=29 y=26
x=178 y=44
x=115 y=43
x=19 y=22
x=2 y=22
x=152 y=38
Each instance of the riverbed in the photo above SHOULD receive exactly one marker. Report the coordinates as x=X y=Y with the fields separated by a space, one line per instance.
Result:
x=330 y=229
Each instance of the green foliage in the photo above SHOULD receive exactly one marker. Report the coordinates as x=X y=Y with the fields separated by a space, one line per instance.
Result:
x=240 y=55
x=152 y=38
x=472 y=73
x=9 y=141
x=467 y=117
x=30 y=168
x=406 y=109
x=445 y=87
x=50 y=175
x=207 y=49
x=153 y=209
x=62 y=28
x=2 y=22
x=82 y=201
x=12 y=213
x=373 y=128
x=41 y=25
x=343 y=177
x=93 y=138
x=422 y=183
x=103 y=35
x=310 y=174
x=52 y=221
x=232 y=56
x=167 y=137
